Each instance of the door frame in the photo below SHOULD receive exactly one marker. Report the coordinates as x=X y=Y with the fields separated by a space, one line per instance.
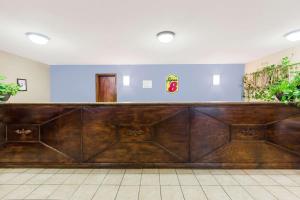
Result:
x=97 y=83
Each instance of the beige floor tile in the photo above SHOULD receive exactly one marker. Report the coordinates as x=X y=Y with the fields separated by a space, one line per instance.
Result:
x=289 y=171
x=21 y=192
x=236 y=172
x=5 y=189
x=167 y=171
x=85 y=192
x=75 y=179
x=100 y=171
x=244 y=180
x=215 y=193
x=271 y=171
x=20 y=179
x=207 y=180
x=113 y=179
x=131 y=179
x=237 y=193
x=259 y=193
x=133 y=171
x=116 y=171
x=83 y=171
x=295 y=190
x=66 y=171
x=128 y=193
x=106 y=192
x=149 y=193
x=184 y=171
x=201 y=171
x=264 y=180
x=295 y=178
x=42 y=192
x=94 y=179
x=225 y=180
x=187 y=179
x=218 y=172
x=283 y=180
x=39 y=179
x=254 y=171
x=168 y=179
x=5 y=177
x=50 y=171
x=193 y=193
x=281 y=193
x=171 y=193
x=150 y=179
x=14 y=170
x=34 y=170
x=64 y=192
x=150 y=171
x=57 y=179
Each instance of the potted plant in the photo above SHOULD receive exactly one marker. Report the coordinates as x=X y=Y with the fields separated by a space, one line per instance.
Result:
x=7 y=89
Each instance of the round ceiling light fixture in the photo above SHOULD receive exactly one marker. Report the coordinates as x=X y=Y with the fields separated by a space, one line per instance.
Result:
x=165 y=36
x=37 y=38
x=293 y=36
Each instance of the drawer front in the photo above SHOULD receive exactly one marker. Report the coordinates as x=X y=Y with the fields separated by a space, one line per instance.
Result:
x=22 y=132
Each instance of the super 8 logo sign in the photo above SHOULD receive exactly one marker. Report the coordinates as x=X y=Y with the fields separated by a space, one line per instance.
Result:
x=172 y=83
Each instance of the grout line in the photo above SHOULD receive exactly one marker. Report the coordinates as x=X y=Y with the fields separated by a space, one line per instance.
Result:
x=159 y=184
x=225 y=191
x=99 y=184
x=222 y=186
x=200 y=184
x=179 y=184
x=140 y=184
x=120 y=186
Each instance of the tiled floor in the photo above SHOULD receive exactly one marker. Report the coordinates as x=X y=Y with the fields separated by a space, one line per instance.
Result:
x=149 y=184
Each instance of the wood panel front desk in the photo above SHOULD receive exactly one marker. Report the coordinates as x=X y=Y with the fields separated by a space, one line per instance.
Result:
x=202 y=135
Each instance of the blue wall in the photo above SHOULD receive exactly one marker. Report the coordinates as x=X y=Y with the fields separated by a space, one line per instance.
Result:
x=76 y=83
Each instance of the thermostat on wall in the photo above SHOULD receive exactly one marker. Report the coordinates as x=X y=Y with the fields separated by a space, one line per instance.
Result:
x=147 y=83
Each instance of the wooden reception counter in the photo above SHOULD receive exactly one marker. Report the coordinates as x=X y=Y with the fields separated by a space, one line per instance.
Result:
x=215 y=135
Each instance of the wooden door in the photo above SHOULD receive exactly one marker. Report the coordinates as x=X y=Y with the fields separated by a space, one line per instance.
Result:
x=106 y=89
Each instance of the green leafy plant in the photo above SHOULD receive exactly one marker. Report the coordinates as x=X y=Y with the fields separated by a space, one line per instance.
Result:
x=272 y=83
x=7 y=88
x=284 y=91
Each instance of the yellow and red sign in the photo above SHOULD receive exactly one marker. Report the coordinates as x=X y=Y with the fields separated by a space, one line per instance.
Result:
x=172 y=83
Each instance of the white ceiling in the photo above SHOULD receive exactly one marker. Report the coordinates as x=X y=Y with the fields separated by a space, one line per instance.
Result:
x=123 y=31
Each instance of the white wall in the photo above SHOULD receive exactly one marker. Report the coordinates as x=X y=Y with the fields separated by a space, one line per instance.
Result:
x=37 y=75
x=292 y=53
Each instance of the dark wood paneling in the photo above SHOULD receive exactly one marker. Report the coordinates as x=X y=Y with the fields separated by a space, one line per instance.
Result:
x=219 y=135
x=143 y=115
x=31 y=114
x=22 y=132
x=64 y=134
x=257 y=152
x=173 y=134
x=26 y=152
x=207 y=134
x=248 y=132
x=141 y=152
x=286 y=133
x=135 y=133
x=2 y=133
x=249 y=114
x=99 y=130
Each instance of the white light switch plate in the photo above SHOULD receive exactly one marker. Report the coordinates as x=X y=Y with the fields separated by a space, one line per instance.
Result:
x=147 y=83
